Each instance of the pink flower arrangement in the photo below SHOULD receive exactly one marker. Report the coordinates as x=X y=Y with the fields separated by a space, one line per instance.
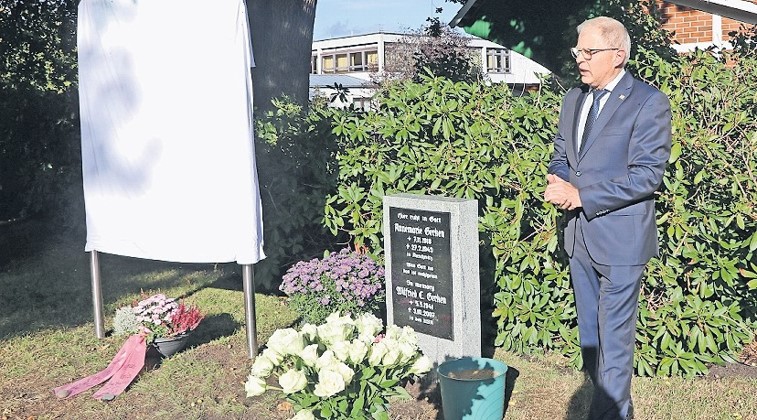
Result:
x=185 y=318
x=157 y=316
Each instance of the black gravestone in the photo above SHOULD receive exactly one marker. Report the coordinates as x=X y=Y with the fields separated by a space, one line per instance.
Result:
x=421 y=269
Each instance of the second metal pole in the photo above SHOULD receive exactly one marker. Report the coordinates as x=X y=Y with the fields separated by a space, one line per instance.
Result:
x=248 y=286
x=97 y=294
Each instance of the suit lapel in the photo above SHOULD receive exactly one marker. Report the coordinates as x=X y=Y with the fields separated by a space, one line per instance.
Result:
x=573 y=143
x=617 y=96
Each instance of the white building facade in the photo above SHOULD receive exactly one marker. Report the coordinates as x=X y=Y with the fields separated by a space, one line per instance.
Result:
x=365 y=56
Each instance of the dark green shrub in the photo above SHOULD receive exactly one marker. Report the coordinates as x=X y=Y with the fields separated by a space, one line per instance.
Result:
x=699 y=301
x=296 y=170
x=40 y=170
x=473 y=141
x=481 y=142
x=40 y=158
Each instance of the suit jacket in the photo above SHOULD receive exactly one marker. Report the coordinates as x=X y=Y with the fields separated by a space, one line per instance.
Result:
x=619 y=168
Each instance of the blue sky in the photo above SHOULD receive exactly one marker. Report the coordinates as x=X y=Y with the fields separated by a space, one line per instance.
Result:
x=334 y=18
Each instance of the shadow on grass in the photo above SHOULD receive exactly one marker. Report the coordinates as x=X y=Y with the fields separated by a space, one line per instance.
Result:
x=47 y=284
x=427 y=389
x=510 y=378
x=578 y=406
x=211 y=328
x=232 y=280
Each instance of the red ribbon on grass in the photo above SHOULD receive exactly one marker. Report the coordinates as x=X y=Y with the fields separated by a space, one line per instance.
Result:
x=122 y=370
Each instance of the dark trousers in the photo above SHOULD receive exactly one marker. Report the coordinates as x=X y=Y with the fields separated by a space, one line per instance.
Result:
x=607 y=304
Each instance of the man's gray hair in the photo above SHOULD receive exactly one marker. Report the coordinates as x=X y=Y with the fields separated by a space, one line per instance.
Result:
x=612 y=31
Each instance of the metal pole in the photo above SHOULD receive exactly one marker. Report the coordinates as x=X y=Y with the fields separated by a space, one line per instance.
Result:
x=248 y=285
x=97 y=295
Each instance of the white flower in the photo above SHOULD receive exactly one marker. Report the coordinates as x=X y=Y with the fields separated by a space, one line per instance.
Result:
x=326 y=360
x=275 y=357
x=262 y=366
x=335 y=329
x=421 y=366
x=409 y=336
x=368 y=326
x=394 y=332
x=385 y=353
x=336 y=317
x=341 y=350
x=309 y=332
x=329 y=383
x=293 y=381
x=254 y=386
x=357 y=352
x=391 y=357
x=407 y=352
x=125 y=322
x=309 y=355
x=303 y=414
x=376 y=353
x=286 y=341
x=404 y=334
x=346 y=372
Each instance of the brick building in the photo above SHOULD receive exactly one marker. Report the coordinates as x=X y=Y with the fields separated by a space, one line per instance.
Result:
x=540 y=31
x=696 y=28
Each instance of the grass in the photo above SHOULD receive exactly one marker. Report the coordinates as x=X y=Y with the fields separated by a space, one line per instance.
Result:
x=544 y=388
x=47 y=339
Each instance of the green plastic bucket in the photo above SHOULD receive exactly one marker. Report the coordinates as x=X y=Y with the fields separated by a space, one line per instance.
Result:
x=473 y=388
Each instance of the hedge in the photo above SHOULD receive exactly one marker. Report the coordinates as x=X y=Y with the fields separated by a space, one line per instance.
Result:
x=482 y=142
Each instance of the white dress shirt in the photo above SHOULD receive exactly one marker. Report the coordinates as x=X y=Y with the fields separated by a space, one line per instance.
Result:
x=589 y=99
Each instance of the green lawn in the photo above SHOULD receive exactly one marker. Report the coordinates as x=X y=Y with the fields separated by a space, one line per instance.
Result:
x=47 y=339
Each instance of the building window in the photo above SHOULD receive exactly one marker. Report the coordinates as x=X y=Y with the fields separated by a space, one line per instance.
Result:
x=346 y=62
x=313 y=64
x=371 y=60
x=327 y=64
x=341 y=63
x=363 y=60
x=497 y=60
x=334 y=63
x=356 y=61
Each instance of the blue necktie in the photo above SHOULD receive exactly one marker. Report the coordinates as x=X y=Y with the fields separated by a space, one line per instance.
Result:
x=593 y=114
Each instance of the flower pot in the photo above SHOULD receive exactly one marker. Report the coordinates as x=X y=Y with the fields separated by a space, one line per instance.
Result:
x=168 y=346
x=472 y=388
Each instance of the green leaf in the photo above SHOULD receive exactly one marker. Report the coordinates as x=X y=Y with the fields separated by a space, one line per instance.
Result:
x=675 y=152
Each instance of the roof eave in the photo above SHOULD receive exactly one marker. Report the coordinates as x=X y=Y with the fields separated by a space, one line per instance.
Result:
x=462 y=12
x=740 y=10
x=735 y=9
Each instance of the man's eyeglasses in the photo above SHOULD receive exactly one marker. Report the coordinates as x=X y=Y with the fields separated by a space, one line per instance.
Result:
x=588 y=52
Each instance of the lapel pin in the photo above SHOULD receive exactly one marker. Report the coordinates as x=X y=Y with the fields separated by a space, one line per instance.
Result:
x=621 y=97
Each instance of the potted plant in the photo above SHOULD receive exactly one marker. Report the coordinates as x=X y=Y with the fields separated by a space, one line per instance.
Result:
x=345 y=368
x=347 y=282
x=165 y=322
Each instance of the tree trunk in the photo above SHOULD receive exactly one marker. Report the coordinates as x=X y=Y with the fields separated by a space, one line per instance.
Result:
x=282 y=40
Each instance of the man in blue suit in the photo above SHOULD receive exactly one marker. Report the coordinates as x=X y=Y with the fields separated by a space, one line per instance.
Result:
x=610 y=152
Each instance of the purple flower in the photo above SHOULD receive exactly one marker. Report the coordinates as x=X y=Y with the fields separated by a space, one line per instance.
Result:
x=345 y=281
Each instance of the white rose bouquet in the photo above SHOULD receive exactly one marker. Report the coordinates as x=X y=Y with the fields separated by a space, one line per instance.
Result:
x=342 y=369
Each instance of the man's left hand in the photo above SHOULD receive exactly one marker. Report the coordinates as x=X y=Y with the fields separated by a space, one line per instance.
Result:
x=561 y=193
